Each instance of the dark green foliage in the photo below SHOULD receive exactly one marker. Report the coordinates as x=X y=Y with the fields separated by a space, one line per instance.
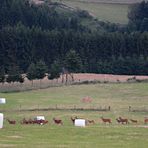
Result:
x=13 y=74
x=31 y=32
x=36 y=71
x=31 y=72
x=138 y=16
x=2 y=74
x=40 y=70
x=55 y=70
x=73 y=62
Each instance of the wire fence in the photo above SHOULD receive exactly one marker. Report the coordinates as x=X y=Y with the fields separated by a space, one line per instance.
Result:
x=138 y=109
x=57 y=107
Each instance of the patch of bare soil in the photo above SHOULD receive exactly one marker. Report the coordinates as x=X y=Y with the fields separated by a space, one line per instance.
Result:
x=78 y=79
x=106 y=77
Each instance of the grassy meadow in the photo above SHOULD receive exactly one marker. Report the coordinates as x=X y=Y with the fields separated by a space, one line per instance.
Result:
x=118 y=96
x=112 y=12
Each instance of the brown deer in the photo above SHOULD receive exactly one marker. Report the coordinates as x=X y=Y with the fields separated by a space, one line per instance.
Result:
x=24 y=121
x=105 y=120
x=11 y=121
x=118 y=120
x=90 y=121
x=146 y=120
x=133 y=121
x=58 y=121
x=123 y=120
x=73 y=119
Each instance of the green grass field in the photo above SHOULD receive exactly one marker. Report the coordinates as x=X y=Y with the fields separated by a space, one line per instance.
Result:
x=115 y=13
x=118 y=96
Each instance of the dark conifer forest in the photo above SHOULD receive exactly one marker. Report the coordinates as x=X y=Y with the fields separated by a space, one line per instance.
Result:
x=53 y=34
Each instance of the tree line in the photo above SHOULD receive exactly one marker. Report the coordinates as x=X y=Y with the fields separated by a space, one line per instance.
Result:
x=41 y=40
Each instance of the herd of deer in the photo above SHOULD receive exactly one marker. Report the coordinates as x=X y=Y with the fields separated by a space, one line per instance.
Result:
x=119 y=120
x=31 y=121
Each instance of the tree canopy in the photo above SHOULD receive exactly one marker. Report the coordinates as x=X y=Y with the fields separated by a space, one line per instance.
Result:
x=34 y=37
x=138 y=16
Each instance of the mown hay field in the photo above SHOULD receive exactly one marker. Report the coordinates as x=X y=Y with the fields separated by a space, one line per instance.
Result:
x=119 y=96
x=112 y=12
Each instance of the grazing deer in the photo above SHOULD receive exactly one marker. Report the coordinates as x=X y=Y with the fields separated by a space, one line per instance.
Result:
x=58 y=121
x=24 y=121
x=133 y=121
x=106 y=120
x=45 y=121
x=73 y=119
x=123 y=120
x=11 y=121
x=118 y=120
x=146 y=120
x=90 y=121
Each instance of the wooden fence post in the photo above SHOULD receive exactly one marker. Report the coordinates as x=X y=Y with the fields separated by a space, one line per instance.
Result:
x=129 y=108
x=109 y=108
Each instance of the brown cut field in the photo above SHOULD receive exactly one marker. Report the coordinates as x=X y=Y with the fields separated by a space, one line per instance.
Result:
x=79 y=78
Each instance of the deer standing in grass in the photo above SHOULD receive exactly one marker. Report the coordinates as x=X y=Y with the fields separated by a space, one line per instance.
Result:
x=11 y=121
x=133 y=121
x=146 y=120
x=73 y=119
x=122 y=120
x=58 y=121
x=106 y=120
x=90 y=121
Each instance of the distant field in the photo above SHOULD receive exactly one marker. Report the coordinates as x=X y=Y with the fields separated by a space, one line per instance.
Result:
x=112 y=1
x=118 y=96
x=116 y=13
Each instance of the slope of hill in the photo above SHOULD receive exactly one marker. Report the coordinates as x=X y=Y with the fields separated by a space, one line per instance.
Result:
x=114 y=11
x=111 y=1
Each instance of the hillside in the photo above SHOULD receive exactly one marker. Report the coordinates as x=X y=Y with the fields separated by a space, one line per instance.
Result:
x=99 y=1
x=114 y=11
x=59 y=35
x=110 y=1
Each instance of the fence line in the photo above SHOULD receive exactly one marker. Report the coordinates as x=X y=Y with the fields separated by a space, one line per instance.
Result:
x=60 y=107
x=70 y=107
x=138 y=109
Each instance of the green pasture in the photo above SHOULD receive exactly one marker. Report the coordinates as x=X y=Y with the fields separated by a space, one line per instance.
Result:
x=119 y=96
x=115 y=13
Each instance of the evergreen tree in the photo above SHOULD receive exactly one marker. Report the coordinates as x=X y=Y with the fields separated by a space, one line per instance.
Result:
x=31 y=72
x=40 y=70
x=2 y=75
x=13 y=74
x=55 y=70
x=72 y=63
x=138 y=16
